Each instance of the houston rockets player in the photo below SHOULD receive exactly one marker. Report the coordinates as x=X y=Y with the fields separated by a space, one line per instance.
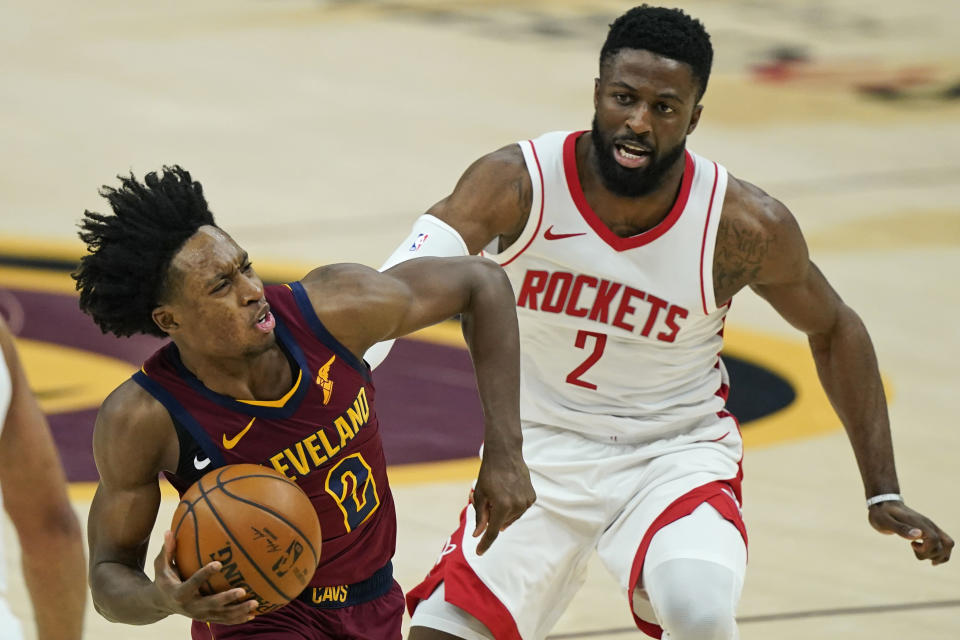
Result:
x=624 y=250
x=270 y=375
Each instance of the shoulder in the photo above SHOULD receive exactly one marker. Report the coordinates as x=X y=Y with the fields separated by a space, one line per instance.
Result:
x=758 y=240
x=492 y=198
x=134 y=437
x=503 y=163
x=749 y=208
x=336 y=285
x=501 y=176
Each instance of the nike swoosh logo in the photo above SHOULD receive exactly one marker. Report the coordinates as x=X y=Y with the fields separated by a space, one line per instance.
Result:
x=550 y=235
x=230 y=443
x=200 y=464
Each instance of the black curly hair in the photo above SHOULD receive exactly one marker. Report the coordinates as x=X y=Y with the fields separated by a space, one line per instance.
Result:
x=670 y=33
x=124 y=275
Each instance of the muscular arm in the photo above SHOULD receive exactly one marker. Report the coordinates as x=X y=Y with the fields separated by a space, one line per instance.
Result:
x=759 y=245
x=492 y=199
x=35 y=497
x=361 y=306
x=133 y=441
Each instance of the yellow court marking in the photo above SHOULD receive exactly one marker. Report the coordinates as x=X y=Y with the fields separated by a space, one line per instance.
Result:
x=68 y=379
x=30 y=279
x=810 y=413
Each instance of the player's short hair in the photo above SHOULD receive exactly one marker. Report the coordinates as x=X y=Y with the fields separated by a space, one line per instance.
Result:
x=125 y=274
x=667 y=32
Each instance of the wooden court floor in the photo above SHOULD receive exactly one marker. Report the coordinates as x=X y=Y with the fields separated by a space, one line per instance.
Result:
x=321 y=129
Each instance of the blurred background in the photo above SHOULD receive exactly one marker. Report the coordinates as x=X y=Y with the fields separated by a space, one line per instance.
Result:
x=320 y=130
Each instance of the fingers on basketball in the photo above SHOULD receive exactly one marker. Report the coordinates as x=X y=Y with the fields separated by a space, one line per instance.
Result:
x=247 y=527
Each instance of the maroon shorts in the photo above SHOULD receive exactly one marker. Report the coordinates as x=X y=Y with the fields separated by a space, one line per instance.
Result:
x=377 y=619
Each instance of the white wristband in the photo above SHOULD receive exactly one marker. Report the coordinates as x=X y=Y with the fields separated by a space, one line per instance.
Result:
x=884 y=497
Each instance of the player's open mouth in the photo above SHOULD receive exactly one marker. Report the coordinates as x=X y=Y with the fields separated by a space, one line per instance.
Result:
x=265 y=321
x=630 y=155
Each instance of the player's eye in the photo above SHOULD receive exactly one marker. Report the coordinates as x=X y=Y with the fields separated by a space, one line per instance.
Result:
x=622 y=98
x=663 y=107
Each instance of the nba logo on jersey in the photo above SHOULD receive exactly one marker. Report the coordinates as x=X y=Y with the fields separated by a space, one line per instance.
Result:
x=419 y=241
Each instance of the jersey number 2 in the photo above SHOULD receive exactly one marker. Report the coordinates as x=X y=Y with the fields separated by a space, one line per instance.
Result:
x=599 y=342
x=352 y=485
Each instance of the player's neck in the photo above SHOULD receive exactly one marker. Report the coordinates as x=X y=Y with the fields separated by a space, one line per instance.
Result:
x=626 y=216
x=263 y=376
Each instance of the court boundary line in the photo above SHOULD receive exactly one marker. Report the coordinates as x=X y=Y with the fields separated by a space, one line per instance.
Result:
x=790 y=615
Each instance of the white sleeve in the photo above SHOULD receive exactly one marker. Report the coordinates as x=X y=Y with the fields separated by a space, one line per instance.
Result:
x=429 y=237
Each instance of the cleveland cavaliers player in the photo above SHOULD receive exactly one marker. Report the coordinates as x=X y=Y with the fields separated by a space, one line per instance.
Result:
x=624 y=250
x=274 y=376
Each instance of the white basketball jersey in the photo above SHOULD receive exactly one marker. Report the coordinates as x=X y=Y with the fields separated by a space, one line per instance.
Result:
x=620 y=336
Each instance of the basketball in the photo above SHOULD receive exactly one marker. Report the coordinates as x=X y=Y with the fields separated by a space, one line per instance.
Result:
x=259 y=525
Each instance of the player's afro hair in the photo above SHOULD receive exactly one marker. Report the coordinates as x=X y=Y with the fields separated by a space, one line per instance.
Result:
x=667 y=32
x=123 y=277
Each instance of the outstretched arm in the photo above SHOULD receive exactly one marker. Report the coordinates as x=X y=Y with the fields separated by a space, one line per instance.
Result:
x=759 y=244
x=35 y=497
x=491 y=200
x=360 y=306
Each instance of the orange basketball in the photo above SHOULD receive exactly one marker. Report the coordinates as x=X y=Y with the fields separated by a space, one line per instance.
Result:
x=260 y=526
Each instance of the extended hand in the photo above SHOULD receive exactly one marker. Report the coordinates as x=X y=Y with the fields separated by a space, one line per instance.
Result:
x=184 y=596
x=502 y=494
x=929 y=542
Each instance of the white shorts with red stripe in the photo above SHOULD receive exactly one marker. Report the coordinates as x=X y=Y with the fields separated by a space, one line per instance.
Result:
x=591 y=495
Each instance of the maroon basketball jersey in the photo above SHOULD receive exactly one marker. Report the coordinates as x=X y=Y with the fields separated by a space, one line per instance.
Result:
x=323 y=434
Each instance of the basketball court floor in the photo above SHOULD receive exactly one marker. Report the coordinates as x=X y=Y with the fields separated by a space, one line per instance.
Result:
x=320 y=130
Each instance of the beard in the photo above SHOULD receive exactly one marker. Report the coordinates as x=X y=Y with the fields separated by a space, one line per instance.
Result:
x=632 y=183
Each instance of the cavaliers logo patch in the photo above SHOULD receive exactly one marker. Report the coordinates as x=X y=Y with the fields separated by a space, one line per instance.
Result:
x=323 y=379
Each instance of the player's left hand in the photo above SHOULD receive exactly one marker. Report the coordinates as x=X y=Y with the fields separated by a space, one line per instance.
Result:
x=929 y=542
x=502 y=494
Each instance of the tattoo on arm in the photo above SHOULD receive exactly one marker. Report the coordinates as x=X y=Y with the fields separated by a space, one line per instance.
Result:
x=740 y=254
x=524 y=191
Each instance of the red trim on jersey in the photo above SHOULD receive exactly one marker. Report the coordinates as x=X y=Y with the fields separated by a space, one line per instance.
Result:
x=536 y=231
x=726 y=414
x=601 y=229
x=462 y=588
x=713 y=494
x=703 y=245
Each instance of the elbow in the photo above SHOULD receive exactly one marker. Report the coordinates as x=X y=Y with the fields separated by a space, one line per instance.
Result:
x=491 y=275
x=57 y=522
x=845 y=325
x=99 y=608
x=55 y=532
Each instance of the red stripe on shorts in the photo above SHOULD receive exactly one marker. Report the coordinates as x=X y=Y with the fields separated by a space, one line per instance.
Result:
x=714 y=494
x=462 y=588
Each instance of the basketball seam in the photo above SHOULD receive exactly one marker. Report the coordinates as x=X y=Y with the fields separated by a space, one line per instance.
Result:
x=196 y=531
x=265 y=508
x=226 y=530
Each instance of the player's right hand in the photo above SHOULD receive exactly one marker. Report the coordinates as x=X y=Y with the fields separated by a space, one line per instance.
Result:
x=929 y=542
x=185 y=597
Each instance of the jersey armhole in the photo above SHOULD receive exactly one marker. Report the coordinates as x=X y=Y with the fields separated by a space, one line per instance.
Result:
x=321 y=333
x=180 y=415
x=535 y=216
x=708 y=249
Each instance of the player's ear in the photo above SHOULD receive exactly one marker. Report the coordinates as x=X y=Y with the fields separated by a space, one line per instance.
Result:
x=694 y=118
x=164 y=318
